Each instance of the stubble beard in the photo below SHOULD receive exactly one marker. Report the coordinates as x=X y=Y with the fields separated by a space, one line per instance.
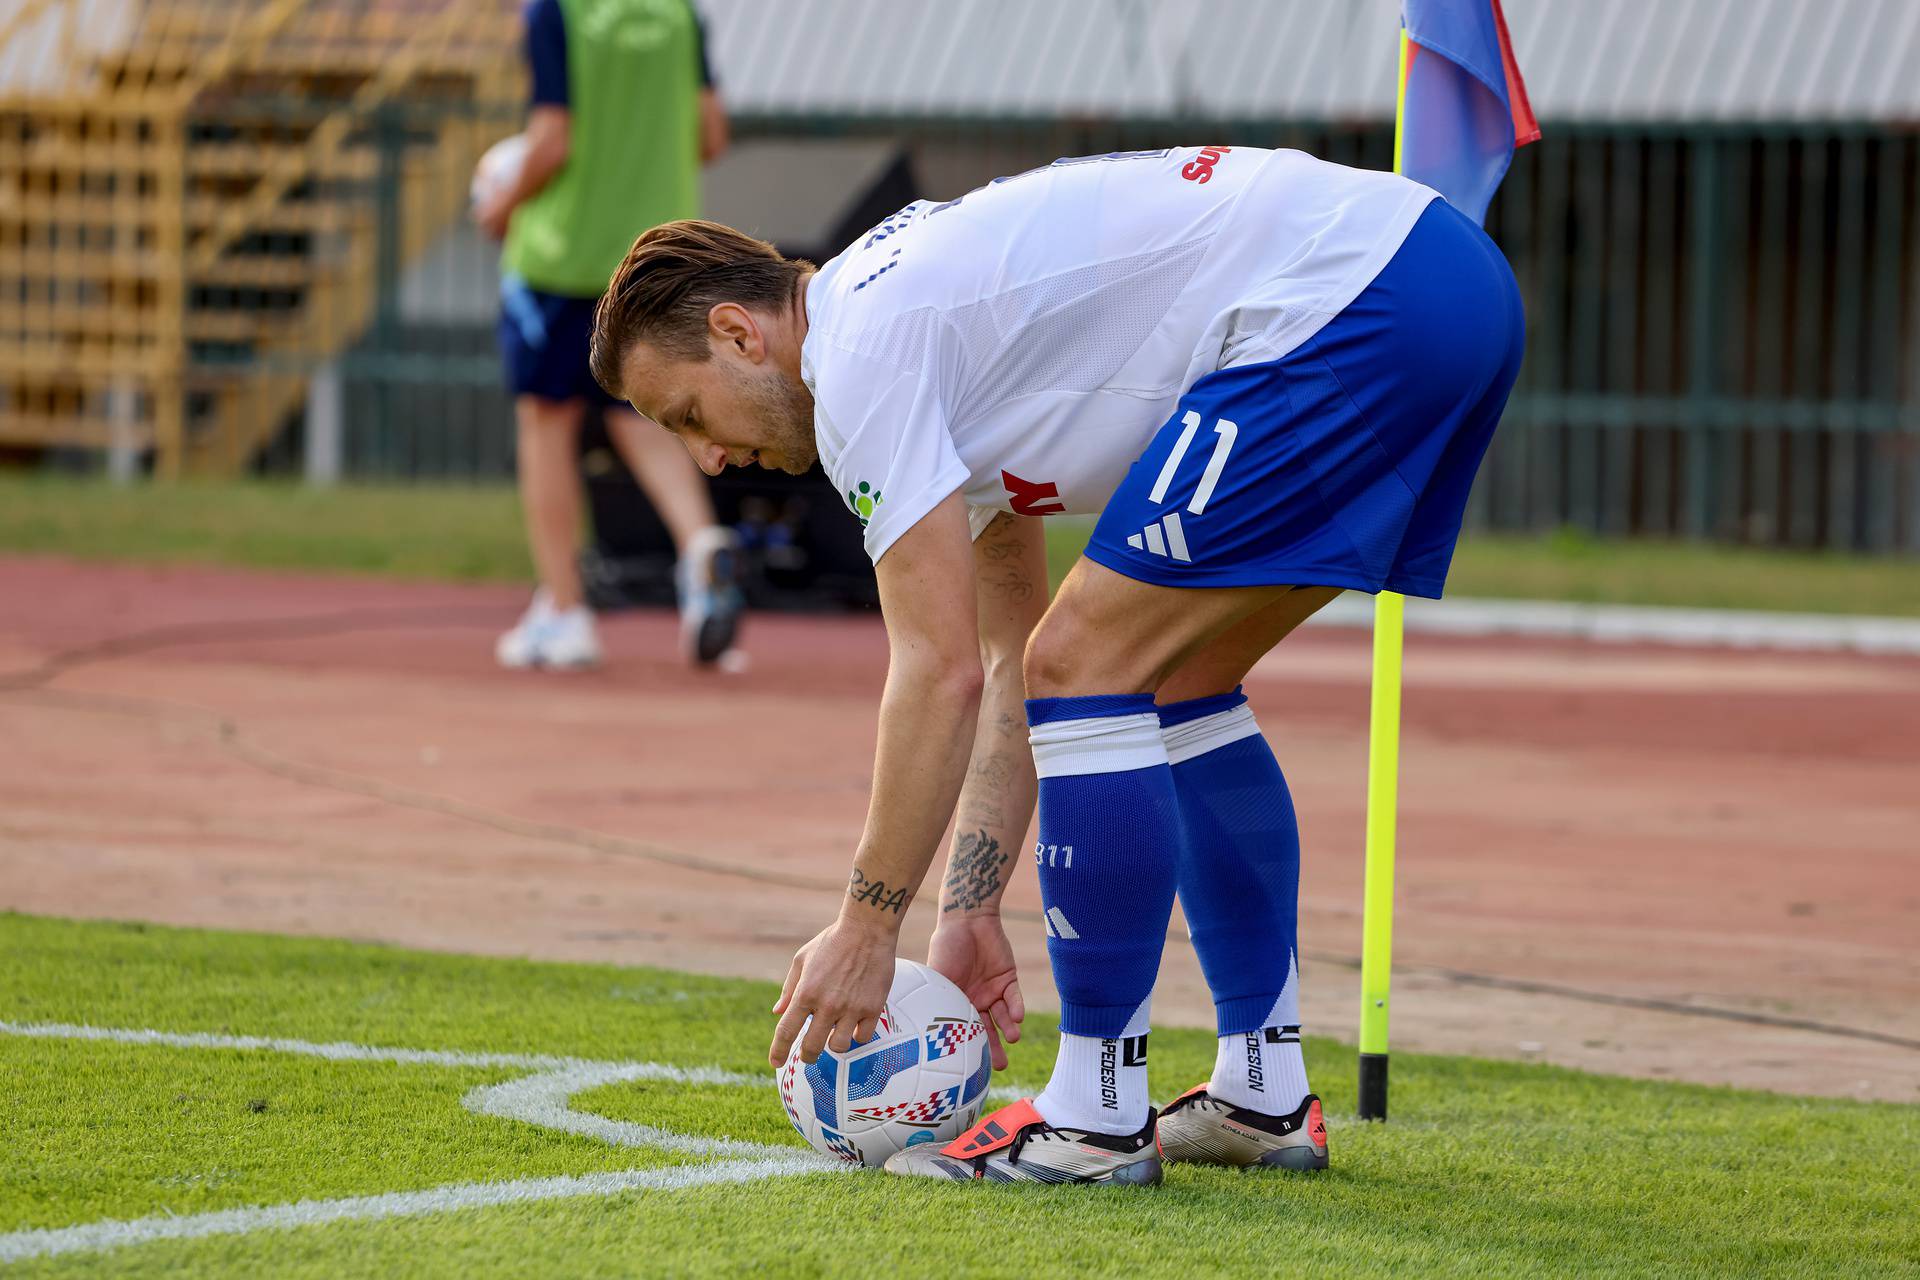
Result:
x=785 y=406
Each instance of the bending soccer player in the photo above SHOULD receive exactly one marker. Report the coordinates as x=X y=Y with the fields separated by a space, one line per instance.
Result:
x=1275 y=378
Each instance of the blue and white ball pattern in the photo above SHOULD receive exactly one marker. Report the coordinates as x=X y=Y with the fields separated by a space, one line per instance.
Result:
x=921 y=1077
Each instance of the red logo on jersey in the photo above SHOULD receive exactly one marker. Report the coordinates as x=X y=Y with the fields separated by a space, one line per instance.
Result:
x=1026 y=497
x=1200 y=168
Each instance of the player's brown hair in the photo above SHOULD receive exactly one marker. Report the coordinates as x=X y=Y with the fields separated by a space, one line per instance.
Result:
x=671 y=278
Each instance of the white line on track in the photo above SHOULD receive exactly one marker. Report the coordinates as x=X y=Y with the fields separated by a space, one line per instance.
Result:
x=538 y=1099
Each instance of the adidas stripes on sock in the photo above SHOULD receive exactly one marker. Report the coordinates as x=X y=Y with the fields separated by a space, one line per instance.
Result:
x=1239 y=878
x=1108 y=832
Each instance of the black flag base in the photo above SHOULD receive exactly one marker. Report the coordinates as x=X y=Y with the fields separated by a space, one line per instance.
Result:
x=1373 y=1086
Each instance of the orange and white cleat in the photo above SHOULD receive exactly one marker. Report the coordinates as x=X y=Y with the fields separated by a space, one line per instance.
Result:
x=1015 y=1144
x=1198 y=1128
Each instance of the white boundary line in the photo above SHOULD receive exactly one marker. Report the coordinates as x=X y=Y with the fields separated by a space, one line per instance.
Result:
x=539 y=1099
x=345 y=1051
x=94 y=1237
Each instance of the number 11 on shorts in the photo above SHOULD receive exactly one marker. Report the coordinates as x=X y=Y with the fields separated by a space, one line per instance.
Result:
x=1225 y=433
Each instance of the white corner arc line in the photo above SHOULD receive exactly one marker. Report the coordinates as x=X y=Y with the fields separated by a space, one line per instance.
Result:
x=542 y=1100
x=539 y=1099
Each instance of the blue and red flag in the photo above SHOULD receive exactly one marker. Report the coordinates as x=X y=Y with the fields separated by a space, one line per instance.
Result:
x=1463 y=106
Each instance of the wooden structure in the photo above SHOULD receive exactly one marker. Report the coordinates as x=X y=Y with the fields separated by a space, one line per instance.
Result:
x=201 y=201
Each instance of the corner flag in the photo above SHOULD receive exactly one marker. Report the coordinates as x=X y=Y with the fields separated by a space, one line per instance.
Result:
x=1464 y=108
x=1462 y=111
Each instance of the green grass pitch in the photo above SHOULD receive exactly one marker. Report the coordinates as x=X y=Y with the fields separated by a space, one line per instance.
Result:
x=1486 y=1168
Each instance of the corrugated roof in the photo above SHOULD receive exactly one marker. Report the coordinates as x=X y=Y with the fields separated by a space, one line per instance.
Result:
x=1314 y=59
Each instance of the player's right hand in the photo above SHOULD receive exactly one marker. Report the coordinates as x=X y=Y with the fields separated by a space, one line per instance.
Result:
x=835 y=990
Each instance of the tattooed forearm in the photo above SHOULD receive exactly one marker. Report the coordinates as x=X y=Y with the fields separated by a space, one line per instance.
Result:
x=876 y=894
x=1001 y=557
x=1014 y=584
x=994 y=771
x=994 y=543
x=974 y=872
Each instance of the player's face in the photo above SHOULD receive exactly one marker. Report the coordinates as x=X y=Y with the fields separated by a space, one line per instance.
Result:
x=729 y=410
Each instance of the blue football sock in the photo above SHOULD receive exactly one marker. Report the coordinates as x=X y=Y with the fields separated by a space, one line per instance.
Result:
x=1239 y=875
x=1108 y=831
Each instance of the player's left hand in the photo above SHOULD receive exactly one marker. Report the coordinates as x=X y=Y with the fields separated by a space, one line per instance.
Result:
x=973 y=952
x=840 y=980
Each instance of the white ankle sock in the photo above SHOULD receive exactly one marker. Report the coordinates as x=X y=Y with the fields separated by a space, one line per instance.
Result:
x=1099 y=1085
x=1261 y=1071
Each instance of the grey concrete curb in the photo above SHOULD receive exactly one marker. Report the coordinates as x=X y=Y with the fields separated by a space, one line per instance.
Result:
x=1637 y=624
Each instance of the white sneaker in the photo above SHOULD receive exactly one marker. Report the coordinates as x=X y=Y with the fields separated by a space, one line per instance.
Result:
x=707 y=579
x=546 y=637
x=569 y=641
x=520 y=647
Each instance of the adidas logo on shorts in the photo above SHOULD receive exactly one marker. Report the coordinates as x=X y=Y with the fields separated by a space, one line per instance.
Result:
x=1162 y=538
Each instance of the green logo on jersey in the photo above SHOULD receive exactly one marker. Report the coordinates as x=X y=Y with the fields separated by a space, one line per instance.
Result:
x=863 y=500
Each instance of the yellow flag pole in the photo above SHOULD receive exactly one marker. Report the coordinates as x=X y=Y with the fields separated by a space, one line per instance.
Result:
x=1383 y=785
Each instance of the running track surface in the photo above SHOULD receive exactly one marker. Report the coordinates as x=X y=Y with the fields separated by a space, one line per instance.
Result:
x=1650 y=861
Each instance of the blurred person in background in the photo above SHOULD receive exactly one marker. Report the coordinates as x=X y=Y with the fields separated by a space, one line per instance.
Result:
x=623 y=112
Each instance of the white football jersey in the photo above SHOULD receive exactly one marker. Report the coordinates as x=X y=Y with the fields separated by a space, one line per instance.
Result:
x=1023 y=343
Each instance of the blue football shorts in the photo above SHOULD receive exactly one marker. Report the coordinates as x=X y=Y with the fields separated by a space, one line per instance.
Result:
x=545 y=339
x=1347 y=462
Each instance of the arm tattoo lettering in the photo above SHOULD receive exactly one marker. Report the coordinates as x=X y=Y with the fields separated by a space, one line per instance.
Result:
x=973 y=877
x=876 y=894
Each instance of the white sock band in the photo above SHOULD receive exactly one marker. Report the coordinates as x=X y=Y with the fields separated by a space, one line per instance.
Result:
x=1098 y=744
x=1197 y=737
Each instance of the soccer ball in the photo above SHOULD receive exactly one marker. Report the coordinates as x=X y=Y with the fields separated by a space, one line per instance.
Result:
x=498 y=169
x=921 y=1077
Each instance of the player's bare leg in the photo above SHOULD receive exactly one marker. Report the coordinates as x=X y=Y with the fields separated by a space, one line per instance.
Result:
x=1109 y=634
x=706 y=577
x=666 y=472
x=556 y=630
x=1223 y=662
x=550 y=493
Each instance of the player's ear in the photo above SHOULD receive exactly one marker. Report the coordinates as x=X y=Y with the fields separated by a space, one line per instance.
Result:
x=733 y=325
